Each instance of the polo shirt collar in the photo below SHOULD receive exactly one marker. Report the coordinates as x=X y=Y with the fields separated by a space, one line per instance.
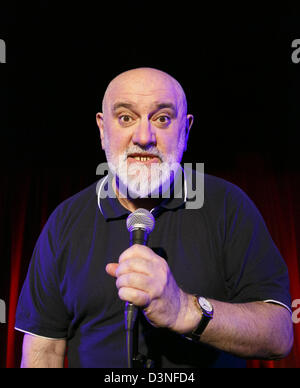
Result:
x=111 y=208
x=109 y=205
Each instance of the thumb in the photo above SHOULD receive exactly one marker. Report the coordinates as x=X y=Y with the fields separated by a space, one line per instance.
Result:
x=111 y=269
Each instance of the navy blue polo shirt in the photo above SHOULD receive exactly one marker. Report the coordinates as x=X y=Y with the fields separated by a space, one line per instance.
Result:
x=222 y=251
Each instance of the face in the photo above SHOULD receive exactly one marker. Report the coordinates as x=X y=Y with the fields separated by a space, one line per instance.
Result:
x=144 y=129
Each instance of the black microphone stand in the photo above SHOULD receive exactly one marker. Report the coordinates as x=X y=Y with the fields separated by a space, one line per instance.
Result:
x=131 y=325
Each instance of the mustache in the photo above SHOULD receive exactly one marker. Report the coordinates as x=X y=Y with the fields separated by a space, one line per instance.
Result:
x=135 y=149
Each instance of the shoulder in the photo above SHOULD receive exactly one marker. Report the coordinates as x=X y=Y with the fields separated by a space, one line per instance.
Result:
x=77 y=202
x=230 y=194
x=80 y=209
x=214 y=191
x=221 y=188
x=223 y=203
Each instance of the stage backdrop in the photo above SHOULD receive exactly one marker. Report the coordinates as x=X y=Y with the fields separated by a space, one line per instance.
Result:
x=28 y=197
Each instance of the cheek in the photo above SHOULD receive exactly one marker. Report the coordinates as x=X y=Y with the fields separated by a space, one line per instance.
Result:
x=116 y=139
x=168 y=143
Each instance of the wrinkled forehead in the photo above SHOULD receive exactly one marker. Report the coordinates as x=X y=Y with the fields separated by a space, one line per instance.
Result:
x=143 y=88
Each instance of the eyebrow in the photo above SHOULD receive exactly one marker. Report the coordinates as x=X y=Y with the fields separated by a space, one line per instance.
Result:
x=119 y=105
x=164 y=105
x=155 y=106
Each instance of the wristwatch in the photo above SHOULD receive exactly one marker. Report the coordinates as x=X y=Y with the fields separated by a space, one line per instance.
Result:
x=207 y=312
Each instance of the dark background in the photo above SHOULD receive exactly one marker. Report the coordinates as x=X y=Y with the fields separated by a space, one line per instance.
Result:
x=234 y=61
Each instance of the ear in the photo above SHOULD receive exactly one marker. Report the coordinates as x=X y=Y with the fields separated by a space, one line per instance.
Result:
x=100 y=123
x=189 y=123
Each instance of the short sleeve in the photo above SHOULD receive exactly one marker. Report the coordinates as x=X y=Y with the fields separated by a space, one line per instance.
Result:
x=254 y=267
x=40 y=309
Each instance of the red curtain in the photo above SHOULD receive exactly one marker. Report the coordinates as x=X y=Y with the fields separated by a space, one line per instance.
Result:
x=28 y=197
x=276 y=194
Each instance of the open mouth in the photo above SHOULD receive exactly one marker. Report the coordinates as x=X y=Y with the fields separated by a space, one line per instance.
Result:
x=144 y=158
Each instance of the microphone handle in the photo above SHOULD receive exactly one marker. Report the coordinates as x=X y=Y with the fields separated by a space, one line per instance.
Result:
x=137 y=236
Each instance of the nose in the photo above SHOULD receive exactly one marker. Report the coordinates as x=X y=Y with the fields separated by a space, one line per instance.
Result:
x=144 y=134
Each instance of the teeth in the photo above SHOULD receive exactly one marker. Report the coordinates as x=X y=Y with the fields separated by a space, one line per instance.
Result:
x=142 y=158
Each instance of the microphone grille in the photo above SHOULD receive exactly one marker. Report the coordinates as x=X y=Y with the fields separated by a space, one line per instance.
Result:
x=140 y=219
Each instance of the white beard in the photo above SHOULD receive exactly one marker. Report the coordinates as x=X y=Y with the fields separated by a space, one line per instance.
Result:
x=139 y=180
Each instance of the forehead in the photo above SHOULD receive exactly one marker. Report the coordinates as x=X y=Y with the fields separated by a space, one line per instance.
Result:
x=144 y=89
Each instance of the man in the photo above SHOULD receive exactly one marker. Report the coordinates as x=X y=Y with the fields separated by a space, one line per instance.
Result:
x=211 y=285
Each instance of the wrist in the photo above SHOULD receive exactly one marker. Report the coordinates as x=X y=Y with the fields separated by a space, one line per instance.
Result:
x=189 y=316
x=206 y=310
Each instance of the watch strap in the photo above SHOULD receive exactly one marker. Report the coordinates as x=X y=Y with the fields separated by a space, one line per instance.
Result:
x=205 y=319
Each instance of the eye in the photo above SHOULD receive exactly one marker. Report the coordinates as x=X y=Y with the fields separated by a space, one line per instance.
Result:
x=125 y=119
x=163 y=120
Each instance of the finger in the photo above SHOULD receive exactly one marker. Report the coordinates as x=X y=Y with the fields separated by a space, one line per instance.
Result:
x=111 y=269
x=137 y=250
x=137 y=281
x=136 y=265
x=132 y=295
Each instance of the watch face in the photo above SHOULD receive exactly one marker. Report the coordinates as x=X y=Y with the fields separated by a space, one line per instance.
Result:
x=205 y=304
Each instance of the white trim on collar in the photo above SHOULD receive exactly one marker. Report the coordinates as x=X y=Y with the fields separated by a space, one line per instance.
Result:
x=99 y=192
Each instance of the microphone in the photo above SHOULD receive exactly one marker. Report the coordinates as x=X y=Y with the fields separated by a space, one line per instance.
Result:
x=140 y=224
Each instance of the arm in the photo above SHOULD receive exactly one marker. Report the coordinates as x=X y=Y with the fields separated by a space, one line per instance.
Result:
x=40 y=352
x=257 y=330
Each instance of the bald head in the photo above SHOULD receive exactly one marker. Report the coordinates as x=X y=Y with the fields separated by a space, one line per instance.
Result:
x=143 y=82
x=144 y=109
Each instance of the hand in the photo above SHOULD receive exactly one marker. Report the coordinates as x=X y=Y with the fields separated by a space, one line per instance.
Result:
x=145 y=279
